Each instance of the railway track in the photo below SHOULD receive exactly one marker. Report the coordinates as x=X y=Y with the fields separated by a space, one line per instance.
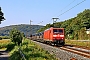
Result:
x=79 y=51
x=76 y=50
x=73 y=49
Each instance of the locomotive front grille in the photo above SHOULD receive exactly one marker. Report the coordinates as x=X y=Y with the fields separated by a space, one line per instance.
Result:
x=58 y=41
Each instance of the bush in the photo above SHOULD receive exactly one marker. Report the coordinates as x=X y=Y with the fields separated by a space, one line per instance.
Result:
x=10 y=46
x=14 y=54
x=0 y=38
x=5 y=37
x=16 y=36
x=31 y=52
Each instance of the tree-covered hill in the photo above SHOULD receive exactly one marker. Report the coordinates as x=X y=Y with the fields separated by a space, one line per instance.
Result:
x=75 y=28
x=4 y=31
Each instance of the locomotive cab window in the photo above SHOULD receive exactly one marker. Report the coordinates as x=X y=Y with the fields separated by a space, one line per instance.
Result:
x=57 y=31
x=61 y=31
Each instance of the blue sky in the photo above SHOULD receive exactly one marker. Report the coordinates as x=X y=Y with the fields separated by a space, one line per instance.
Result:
x=22 y=11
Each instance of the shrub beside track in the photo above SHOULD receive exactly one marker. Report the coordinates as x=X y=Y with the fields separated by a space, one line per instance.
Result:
x=31 y=52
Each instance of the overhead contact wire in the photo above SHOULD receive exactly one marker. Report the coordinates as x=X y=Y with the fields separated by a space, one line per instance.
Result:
x=66 y=6
x=72 y=8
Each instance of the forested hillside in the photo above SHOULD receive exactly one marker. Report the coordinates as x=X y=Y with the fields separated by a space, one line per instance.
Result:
x=75 y=28
x=4 y=31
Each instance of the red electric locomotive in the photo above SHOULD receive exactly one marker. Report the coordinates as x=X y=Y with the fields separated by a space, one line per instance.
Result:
x=54 y=35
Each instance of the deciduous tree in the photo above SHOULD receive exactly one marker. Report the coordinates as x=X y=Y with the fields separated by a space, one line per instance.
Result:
x=16 y=36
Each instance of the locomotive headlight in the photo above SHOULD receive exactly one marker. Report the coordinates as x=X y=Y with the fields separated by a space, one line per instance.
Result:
x=54 y=35
x=61 y=35
x=62 y=38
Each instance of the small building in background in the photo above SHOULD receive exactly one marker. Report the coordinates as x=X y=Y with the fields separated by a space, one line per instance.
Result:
x=88 y=31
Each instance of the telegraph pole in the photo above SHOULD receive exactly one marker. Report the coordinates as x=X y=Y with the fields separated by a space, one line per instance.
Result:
x=54 y=21
x=30 y=28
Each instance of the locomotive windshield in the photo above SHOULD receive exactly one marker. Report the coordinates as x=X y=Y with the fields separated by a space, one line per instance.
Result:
x=57 y=31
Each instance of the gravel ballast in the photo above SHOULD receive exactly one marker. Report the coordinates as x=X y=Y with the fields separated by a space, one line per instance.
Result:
x=61 y=54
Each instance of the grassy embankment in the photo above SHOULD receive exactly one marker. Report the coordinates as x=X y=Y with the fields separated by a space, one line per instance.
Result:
x=31 y=52
x=78 y=43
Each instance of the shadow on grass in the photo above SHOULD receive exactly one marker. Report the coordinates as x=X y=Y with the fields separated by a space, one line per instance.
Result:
x=10 y=46
x=36 y=55
x=15 y=56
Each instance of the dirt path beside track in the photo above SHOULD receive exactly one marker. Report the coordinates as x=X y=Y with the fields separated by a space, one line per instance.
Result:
x=4 y=55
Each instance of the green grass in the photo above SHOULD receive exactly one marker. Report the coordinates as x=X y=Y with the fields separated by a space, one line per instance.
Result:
x=4 y=43
x=3 y=48
x=78 y=43
x=31 y=51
